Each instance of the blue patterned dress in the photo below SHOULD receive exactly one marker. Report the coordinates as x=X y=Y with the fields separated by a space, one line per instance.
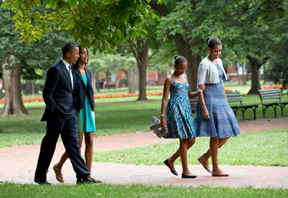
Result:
x=180 y=122
x=222 y=122
x=86 y=118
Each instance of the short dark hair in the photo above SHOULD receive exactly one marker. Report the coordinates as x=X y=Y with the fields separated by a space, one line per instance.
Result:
x=213 y=41
x=179 y=60
x=68 y=47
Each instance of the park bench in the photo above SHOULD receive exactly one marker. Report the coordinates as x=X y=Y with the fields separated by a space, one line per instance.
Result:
x=237 y=97
x=270 y=94
x=193 y=103
x=232 y=97
x=110 y=86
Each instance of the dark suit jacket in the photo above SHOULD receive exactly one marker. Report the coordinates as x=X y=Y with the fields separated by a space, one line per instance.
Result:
x=58 y=93
x=81 y=91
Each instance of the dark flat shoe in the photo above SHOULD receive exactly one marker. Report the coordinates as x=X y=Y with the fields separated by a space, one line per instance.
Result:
x=172 y=171
x=41 y=181
x=86 y=180
x=188 y=176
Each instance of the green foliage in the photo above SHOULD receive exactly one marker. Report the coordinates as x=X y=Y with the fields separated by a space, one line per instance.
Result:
x=35 y=58
x=99 y=24
x=196 y=20
x=278 y=70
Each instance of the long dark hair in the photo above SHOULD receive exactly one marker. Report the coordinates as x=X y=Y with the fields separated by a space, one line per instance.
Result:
x=80 y=50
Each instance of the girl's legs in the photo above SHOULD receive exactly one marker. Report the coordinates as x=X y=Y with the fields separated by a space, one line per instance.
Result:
x=89 y=151
x=175 y=156
x=204 y=159
x=58 y=167
x=183 y=154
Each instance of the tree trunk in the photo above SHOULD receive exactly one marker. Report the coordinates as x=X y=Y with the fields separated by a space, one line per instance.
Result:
x=97 y=81
x=140 y=53
x=133 y=82
x=2 y=91
x=254 y=66
x=94 y=81
x=238 y=75
x=142 y=80
x=184 y=48
x=243 y=74
x=13 y=98
x=248 y=70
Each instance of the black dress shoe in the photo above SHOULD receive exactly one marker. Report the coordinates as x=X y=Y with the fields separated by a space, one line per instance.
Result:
x=188 y=176
x=41 y=181
x=86 y=180
x=167 y=164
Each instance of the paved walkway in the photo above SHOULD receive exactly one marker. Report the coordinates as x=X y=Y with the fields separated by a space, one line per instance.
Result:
x=18 y=163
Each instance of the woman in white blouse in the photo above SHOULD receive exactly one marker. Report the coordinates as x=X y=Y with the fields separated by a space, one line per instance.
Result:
x=214 y=117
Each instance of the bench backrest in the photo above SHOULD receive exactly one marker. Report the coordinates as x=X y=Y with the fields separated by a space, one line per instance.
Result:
x=266 y=94
x=193 y=103
x=234 y=96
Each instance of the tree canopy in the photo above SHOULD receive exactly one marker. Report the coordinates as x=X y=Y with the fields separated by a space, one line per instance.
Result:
x=96 y=23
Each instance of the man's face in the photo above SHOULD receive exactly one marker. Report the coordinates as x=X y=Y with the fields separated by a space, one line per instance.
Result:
x=73 y=56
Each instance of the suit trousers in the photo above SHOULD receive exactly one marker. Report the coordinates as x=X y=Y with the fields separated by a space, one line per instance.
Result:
x=69 y=134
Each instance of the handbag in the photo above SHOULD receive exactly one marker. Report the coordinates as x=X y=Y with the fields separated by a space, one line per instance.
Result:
x=155 y=126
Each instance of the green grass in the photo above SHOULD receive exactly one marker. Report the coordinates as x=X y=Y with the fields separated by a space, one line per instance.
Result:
x=265 y=148
x=113 y=116
x=134 y=190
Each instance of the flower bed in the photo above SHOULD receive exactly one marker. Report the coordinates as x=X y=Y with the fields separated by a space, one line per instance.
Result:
x=279 y=86
x=99 y=96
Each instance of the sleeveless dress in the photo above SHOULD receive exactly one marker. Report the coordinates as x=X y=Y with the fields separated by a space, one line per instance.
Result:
x=86 y=117
x=222 y=122
x=180 y=122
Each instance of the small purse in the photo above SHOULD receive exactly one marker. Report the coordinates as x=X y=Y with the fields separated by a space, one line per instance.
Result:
x=155 y=126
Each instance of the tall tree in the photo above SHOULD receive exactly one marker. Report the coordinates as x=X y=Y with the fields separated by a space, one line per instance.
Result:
x=236 y=23
x=99 y=24
x=17 y=58
x=188 y=23
x=256 y=42
x=140 y=49
x=277 y=71
x=143 y=48
x=95 y=66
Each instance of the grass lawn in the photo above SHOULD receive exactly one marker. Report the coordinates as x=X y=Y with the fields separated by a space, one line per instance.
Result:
x=135 y=190
x=264 y=148
x=113 y=116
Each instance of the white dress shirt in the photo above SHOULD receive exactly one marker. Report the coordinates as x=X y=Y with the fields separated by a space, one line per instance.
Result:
x=69 y=68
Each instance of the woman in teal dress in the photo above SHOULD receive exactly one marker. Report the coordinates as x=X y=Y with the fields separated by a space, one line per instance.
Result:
x=85 y=112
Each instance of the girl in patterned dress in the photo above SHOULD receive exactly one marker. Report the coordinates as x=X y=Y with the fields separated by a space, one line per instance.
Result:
x=180 y=122
x=214 y=117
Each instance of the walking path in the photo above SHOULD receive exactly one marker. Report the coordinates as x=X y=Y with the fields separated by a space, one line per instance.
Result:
x=18 y=163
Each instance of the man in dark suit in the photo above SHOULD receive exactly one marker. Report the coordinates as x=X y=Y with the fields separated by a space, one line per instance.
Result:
x=60 y=115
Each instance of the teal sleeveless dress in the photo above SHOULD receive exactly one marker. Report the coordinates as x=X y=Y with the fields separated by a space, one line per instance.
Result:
x=86 y=117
